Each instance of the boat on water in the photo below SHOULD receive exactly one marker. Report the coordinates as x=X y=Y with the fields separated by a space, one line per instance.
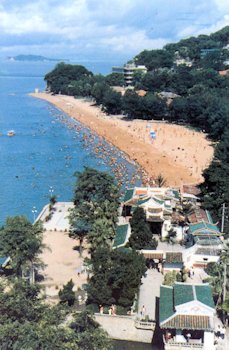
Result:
x=11 y=133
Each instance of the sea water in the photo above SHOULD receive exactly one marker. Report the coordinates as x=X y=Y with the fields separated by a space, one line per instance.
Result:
x=48 y=148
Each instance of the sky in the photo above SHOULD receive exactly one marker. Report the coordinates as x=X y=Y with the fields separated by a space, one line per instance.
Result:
x=103 y=30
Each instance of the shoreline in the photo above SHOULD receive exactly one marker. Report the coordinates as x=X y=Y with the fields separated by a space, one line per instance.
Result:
x=179 y=154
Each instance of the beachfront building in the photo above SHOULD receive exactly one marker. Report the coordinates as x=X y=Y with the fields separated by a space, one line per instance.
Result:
x=128 y=71
x=207 y=241
x=186 y=316
x=159 y=204
x=169 y=196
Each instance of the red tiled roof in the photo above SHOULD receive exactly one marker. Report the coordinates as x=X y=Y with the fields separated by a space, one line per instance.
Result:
x=191 y=189
x=198 y=215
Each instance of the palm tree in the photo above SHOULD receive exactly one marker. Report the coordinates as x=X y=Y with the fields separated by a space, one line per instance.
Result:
x=160 y=180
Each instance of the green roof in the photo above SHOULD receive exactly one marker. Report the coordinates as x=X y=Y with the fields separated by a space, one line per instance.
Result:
x=172 y=193
x=183 y=293
x=142 y=201
x=128 y=195
x=204 y=295
x=121 y=234
x=3 y=260
x=166 y=303
x=204 y=228
x=156 y=200
x=176 y=194
x=209 y=217
x=173 y=265
x=206 y=240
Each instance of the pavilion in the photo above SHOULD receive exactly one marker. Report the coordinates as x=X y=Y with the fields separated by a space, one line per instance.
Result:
x=186 y=316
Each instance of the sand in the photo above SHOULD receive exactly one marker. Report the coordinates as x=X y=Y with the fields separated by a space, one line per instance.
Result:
x=179 y=154
x=62 y=262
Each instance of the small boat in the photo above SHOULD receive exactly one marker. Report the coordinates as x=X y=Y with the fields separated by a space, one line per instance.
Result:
x=11 y=133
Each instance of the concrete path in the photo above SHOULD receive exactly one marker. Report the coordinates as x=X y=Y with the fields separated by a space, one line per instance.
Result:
x=222 y=344
x=123 y=328
x=59 y=220
x=198 y=277
x=149 y=291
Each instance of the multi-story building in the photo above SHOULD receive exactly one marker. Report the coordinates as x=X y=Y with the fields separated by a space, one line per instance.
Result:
x=128 y=71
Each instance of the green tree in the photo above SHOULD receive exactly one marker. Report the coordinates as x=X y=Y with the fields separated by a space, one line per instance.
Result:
x=141 y=235
x=116 y=276
x=95 y=196
x=101 y=233
x=154 y=59
x=115 y=79
x=171 y=277
x=112 y=102
x=132 y=105
x=67 y=294
x=22 y=241
x=160 y=180
x=98 y=91
x=91 y=336
x=63 y=75
x=27 y=322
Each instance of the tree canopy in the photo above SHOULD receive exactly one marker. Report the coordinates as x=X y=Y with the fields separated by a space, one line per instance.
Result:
x=141 y=235
x=26 y=322
x=22 y=241
x=96 y=201
x=116 y=276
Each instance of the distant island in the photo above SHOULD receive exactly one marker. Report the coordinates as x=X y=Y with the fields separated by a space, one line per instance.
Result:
x=34 y=58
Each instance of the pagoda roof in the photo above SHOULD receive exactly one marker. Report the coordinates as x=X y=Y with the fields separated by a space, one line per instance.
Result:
x=128 y=195
x=183 y=296
x=203 y=228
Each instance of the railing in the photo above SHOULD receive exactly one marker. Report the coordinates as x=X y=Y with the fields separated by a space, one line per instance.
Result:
x=145 y=325
x=174 y=345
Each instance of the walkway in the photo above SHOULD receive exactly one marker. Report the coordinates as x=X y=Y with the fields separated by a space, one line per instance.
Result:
x=123 y=328
x=198 y=277
x=149 y=291
x=59 y=220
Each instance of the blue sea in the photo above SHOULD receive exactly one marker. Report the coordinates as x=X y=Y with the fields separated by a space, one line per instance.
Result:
x=48 y=147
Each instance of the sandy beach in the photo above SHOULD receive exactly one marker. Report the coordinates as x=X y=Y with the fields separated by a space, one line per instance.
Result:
x=62 y=262
x=178 y=153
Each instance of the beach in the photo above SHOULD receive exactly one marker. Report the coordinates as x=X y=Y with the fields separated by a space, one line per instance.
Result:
x=178 y=153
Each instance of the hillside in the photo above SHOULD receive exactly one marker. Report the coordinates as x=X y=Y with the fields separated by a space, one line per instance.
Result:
x=193 y=49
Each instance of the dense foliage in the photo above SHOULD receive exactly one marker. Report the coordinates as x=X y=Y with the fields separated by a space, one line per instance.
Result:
x=62 y=78
x=141 y=235
x=191 y=48
x=116 y=276
x=26 y=322
x=96 y=200
x=67 y=294
x=22 y=241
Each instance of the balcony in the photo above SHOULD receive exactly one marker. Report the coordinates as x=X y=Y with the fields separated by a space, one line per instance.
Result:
x=181 y=346
x=192 y=344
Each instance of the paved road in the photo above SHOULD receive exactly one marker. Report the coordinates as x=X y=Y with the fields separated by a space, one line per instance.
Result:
x=149 y=291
